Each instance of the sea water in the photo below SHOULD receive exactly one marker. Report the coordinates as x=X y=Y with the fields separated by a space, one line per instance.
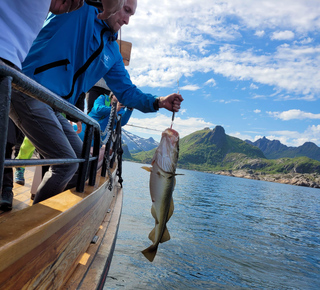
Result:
x=226 y=233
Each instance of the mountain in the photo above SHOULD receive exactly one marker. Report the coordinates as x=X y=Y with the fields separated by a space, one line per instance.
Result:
x=136 y=143
x=212 y=147
x=215 y=151
x=207 y=149
x=274 y=149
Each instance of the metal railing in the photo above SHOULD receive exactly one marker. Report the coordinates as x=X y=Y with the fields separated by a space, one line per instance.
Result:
x=10 y=77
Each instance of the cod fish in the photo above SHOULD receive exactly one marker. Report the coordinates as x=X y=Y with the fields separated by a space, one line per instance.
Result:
x=162 y=182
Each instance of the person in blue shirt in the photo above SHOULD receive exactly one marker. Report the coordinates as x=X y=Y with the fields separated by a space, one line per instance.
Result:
x=70 y=54
x=101 y=111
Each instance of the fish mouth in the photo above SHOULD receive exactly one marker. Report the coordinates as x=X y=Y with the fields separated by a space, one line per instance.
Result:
x=173 y=135
x=166 y=155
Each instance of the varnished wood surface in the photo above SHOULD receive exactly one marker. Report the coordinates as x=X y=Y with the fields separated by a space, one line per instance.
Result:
x=93 y=267
x=41 y=245
x=125 y=50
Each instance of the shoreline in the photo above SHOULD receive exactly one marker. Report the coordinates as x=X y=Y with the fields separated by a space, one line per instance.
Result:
x=300 y=179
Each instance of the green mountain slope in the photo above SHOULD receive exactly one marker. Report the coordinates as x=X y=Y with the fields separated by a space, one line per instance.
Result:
x=274 y=149
x=209 y=148
x=213 y=150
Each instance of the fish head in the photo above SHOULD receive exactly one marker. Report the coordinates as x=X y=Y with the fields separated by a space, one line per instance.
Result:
x=167 y=153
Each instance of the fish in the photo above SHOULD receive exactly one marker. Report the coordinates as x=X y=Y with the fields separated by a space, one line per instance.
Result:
x=161 y=185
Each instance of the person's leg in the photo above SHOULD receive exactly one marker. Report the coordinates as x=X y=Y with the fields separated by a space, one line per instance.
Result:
x=40 y=124
x=26 y=149
x=75 y=142
x=25 y=152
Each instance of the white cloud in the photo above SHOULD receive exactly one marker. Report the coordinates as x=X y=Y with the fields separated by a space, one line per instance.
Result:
x=306 y=40
x=182 y=111
x=241 y=136
x=259 y=33
x=226 y=101
x=282 y=35
x=210 y=82
x=193 y=41
x=253 y=87
x=257 y=111
x=294 y=138
x=293 y=114
x=190 y=88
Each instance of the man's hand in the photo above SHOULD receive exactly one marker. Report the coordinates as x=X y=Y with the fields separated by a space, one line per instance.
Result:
x=171 y=102
x=65 y=6
x=79 y=127
x=110 y=7
x=119 y=106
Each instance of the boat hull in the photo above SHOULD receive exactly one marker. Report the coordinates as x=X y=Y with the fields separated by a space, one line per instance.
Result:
x=44 y=246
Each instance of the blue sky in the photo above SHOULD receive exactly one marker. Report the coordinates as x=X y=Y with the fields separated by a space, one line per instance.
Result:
x=250 y=66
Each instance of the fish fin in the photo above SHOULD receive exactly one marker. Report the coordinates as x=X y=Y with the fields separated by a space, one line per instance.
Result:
x=166 y=236
x=152 y=235
x=150 y=252
x=149 y=169
x=178 y=174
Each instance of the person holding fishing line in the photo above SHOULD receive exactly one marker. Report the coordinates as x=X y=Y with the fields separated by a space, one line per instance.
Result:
x=71 y=53
x=101 y=111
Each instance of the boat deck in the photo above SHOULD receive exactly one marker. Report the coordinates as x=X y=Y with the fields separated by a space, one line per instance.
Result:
x=21 y=193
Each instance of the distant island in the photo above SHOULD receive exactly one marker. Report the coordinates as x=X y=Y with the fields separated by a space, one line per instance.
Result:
x=216 y=152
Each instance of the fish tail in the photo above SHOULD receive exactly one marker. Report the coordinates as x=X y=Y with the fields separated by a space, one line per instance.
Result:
x=150 y=252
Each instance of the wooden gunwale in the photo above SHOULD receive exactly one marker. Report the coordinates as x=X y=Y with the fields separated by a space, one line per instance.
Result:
x=41 y=245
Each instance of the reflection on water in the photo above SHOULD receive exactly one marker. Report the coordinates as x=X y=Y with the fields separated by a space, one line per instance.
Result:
x=225 y=232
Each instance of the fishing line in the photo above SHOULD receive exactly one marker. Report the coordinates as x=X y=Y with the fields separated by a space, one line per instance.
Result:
x=174 y=111
x=143 y=127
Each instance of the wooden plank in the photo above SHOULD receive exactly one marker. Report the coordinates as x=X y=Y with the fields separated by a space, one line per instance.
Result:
x=101 y=264
x=93 y=268
x=21 y=193
x=125 y=50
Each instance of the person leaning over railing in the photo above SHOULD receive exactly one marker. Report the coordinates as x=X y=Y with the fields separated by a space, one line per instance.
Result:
x=71 y=53
x=20 y=23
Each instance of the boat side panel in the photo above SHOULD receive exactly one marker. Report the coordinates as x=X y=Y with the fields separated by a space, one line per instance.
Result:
x=91 y=272
x=68 y=235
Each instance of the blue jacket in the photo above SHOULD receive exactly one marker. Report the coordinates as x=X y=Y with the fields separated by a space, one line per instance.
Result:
x=101 y=112
x=75 y=50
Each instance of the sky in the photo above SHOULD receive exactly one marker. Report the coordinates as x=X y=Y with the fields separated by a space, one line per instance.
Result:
x=252 y=67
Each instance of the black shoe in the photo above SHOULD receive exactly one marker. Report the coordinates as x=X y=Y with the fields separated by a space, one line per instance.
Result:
x=6 y=199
